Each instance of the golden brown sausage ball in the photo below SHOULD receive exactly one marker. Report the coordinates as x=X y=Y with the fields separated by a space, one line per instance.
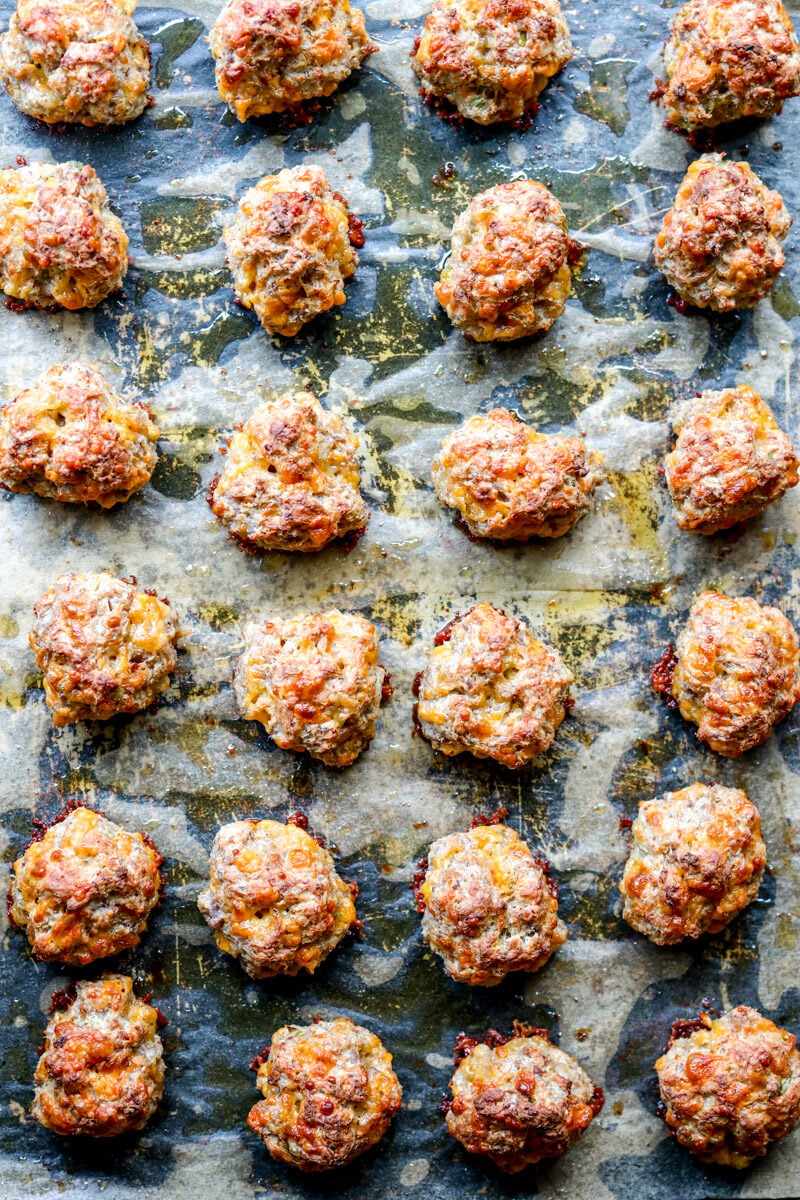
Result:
x=101 y=1072
x=274 y=54
x=520 y=1102
x=508 y=274
x=104 y=647
x=696 y=861
x=730 y=1087
x=491 y=58
x=737 y=672
x=291 y=478
x=719 y=245
x=81 y=61
x=511 y=483
x=727 y=59
x=85 y=890
x=489 y=906
x=71 y=437
x=274 y=899
x=730 y=461
x=329 y=1094
x=491 y=688
x=290 y=248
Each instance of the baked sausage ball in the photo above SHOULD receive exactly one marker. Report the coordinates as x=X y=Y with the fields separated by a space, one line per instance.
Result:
x=290 y=248
x=508 y=274
x=85 y=890
x=104 y=647
x=491 y=58
x=314 y=682
x=101 y=1072
x=274 y=54
x=489 y=906
x=329 y=1094
x=730 y=461
x=291 y=478
x=730 y=1087
x=696 y=861
x=719 y=245
x=511 y=483
x=727 y=59
x=71 y=437
x=81 y=61
x=274 y=899
x=737 y=673
x=60 y=243
x=491 y=688
x=521 y=1101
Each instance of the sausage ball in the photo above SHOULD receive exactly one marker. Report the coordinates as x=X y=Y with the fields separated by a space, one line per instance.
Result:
x=101 y=1072
x=520 y=1102
x=329 y=1094
x=491 y=58
x=314 y=682
x=290 y=248
x=71 y=437
x=491 y=688
x=274 y=899
x=85 y=890
x=508 y=274
x=696 y=861
x=81 y=61
x=727 y=59
x=509 y=482
x=104 y=647
x=730 y=1087
x=737 y=673
x=719 y=245
x=489 y=907
x=291 y=478
x=730 y=461
x=274 y=54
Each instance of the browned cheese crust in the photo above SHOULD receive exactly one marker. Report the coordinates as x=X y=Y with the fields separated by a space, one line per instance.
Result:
x=732 y=1087
x=730 y=461
x=738 y=671
x=511 y=483
x=696 y=861
x=329 y=1094
x=104 y=647
x=719 y=245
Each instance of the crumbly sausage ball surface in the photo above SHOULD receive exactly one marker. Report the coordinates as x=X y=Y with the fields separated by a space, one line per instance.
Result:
x=696 y=861
x=291 y=478
x=71 y=437
x=520 y=1102
x=101 y=1072
x=329 y=1094
x=489 y=908
x=80 y=61
x=314 y=682
x=274 y=898
x=738 y=671
x=728 y=59
x=511 y=483
x=730 y=461
x=104 y=647
x=732 y=1087
x=491 y=688
x=491 y=58
x=508 y=275
x=85 y=890
x=719 y=245
x=274 y=54
x=289 y=249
